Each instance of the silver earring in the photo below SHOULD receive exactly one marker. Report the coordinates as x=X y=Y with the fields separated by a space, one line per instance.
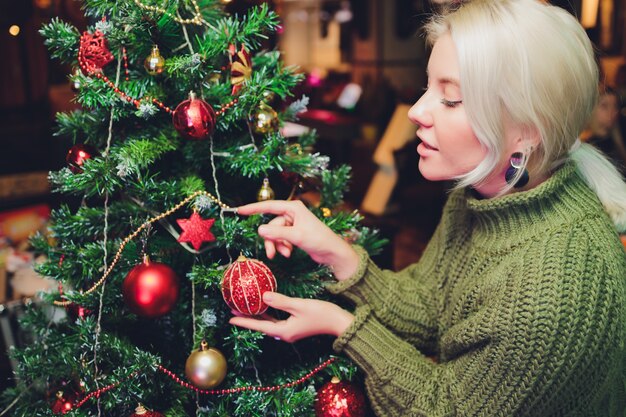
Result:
x=516 y=162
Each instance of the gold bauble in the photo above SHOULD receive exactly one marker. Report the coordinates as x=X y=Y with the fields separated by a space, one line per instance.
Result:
x=75 y=83
x=268 y=96
x=326 y=212
x=265 y=192
x=264 y=119
x=206 y=367
x=154 y=63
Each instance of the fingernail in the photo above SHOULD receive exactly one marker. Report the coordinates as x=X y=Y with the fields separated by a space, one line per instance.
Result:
x=262 y=228
x=268 y=297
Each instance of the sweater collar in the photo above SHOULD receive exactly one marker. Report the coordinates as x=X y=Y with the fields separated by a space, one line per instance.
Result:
x=562 y=197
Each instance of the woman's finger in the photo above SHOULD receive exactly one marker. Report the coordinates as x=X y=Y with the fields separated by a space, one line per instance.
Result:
x=270 y=248
x=284 y=248
x=263 y=326
x=270 y=207
x=290 y=234
x=280 y=301
x=263 y=316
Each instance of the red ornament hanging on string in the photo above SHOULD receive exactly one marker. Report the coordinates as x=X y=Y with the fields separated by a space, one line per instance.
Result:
x=77 y=155
x=150 y=289
x=63 y=403
x=240 y=69
x=141 y=411
x=244 y=283
x=194 y=118
x=339 y=399
x=93 y=52
x=196 y=230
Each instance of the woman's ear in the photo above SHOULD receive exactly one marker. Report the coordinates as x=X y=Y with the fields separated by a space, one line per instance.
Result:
x=531 y=137
x=527 y=139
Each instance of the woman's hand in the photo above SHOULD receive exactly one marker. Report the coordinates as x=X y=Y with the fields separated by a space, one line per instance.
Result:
x=295 y=225
x=308 y=318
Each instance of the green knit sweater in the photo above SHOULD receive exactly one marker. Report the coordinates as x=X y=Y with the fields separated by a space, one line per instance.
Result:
x=516 y=308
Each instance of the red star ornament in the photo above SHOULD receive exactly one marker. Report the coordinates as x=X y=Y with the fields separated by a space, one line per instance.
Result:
x=196 y=230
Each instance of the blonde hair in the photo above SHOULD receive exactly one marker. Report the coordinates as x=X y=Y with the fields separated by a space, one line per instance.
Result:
x=532 y=64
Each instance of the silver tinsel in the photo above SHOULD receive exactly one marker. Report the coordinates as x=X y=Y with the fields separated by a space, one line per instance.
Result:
x=146 y=110
x=124 y=168
x=208 y=317
x=203 y=202
x=103 y=26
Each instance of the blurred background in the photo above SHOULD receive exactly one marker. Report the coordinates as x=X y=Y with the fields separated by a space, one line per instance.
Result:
x=364 y=65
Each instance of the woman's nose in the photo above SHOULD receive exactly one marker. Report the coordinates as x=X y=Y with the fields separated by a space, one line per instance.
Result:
x=419 y=113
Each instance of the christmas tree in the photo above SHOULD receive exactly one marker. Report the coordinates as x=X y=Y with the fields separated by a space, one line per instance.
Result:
x=180 y=122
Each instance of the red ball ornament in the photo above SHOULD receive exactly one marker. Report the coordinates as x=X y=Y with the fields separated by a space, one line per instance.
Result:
x=150 y=289
x=339 y=399
x=77 y=155
x=244 y=283
x=75 y=311
x=64 y=403
x=194 y=119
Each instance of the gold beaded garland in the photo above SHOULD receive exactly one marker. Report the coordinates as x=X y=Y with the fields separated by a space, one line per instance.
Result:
x=196 y=19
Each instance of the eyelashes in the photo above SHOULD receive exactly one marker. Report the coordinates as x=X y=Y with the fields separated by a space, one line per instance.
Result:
x=446 y=102
x=449 y=103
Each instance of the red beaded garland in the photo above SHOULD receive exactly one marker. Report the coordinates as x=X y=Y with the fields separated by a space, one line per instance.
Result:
x=244 y=283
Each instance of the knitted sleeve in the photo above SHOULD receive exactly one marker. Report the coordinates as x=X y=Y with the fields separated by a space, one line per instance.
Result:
x=403 y=301
x=542 y=340
x=406 y=301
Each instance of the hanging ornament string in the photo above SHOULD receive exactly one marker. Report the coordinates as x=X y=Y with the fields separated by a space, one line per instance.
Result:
x=196 y=19
x=228 y=391
x=146 y=224
x=93 y=55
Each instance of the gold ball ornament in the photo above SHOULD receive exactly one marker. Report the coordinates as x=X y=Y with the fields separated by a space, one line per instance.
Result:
x=265 y=192
x=326 y=212
x=154 y=63
x=264 y=119
x=75 y=83
x=206 y=367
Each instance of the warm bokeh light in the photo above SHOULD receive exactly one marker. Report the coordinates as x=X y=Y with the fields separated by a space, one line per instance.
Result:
x=589 y=14
x=14 y=30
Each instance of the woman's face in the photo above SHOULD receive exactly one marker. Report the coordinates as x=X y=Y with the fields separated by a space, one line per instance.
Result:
x=449 y=147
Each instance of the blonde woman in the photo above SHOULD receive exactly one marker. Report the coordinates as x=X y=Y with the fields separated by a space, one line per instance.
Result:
x=520 y=295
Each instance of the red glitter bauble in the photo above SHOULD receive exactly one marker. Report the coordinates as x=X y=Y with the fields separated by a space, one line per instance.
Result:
x=339 y=399
x=194 y=119
x=244 y=283
x=150 y=289
x=63 y=403
x=77 y=155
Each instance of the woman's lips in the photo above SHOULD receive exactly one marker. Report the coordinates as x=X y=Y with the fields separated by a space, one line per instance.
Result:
x=427 y=146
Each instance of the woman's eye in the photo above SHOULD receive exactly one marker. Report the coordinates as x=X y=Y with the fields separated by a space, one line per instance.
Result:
x=449 y=103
